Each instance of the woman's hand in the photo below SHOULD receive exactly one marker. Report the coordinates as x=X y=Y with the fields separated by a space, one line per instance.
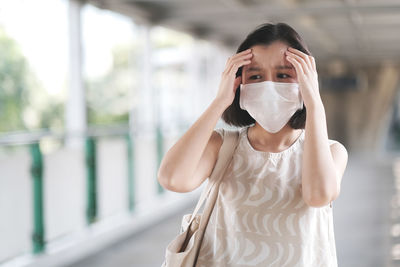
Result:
x=307 y=76
x=228 y=84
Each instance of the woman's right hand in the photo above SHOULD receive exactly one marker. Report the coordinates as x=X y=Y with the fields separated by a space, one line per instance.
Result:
x=228 y=84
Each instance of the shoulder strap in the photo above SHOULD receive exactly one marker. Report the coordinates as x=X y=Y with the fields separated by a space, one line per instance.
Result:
x=229 y=144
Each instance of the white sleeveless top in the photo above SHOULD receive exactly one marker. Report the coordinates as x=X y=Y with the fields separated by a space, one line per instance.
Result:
x=260 y=218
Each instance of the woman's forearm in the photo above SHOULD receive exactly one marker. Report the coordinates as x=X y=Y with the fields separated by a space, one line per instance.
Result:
x=318 y=172
x=180 y=162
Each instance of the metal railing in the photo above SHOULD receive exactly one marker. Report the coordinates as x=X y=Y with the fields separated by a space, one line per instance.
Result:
x=91 y=136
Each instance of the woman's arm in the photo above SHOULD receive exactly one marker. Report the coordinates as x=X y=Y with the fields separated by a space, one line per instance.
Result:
x=323 y=166
x=181 y=160
x=191 y=159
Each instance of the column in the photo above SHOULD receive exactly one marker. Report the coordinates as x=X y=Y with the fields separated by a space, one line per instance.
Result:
x=75 y=112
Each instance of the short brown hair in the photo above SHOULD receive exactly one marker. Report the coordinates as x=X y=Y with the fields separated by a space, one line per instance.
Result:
x=265 y=34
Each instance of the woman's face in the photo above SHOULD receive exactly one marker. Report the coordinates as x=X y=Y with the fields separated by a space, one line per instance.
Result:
x=269 y=64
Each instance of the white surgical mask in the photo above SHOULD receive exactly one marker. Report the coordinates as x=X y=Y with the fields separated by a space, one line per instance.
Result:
x=270 y=103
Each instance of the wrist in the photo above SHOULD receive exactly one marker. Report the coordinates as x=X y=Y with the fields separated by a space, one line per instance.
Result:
x=315 y=104
x=220 y=105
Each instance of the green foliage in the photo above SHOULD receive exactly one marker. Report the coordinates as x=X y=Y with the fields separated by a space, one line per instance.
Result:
x=109 y=97
x=14 y=81
x=24 y=104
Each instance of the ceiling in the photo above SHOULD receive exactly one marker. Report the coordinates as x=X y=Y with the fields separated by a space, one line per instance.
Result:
x=353 y=31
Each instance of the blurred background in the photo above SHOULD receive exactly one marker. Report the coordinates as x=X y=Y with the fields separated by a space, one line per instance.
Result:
x=93 y=93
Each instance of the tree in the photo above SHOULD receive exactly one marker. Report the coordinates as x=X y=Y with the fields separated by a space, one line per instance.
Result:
x=19 y=87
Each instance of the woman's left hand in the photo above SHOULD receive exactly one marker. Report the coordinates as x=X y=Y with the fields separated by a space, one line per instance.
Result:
x=307 y=76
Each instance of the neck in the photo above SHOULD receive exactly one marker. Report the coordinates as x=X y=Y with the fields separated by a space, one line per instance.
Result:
x=273 y=142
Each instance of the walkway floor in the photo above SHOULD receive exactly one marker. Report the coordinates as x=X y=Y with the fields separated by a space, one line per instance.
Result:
x=361 y=218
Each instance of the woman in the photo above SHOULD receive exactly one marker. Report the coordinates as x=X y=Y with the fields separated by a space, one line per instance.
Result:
x=274 y=203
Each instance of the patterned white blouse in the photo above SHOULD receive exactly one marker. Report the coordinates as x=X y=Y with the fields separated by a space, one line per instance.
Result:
x=260 y=218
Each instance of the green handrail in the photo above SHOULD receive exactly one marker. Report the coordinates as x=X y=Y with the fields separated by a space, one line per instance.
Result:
x=37 y=175
x=91 y=180
x=160 y=154
x=131 y=174
x=37 y=169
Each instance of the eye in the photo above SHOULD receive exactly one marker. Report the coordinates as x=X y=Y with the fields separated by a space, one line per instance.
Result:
x=254 y=77
x=283 y=75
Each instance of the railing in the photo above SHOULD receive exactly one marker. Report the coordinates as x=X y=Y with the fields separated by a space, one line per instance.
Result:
x=91 y=137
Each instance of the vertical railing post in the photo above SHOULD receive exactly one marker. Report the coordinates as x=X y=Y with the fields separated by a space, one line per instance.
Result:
x=160 y=153
x=91 y=183
x=37 y=177
x=131 y=175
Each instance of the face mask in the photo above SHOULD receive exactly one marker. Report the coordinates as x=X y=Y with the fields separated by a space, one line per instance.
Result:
x=271 y=104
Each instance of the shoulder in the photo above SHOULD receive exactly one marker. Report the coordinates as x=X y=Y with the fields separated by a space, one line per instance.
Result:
x=217 y=138
x=336 y=145
x=338 y=150
x=222 y=132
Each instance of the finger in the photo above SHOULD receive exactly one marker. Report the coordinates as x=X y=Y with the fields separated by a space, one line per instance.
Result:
x=245 y=52
x=313 y=63
x=304 y=64
x=301 y=54
x=296 y=64
x=237 y=65
x=238 y=61
x=297 y=51
x=240 y=56
x=247 y=55
x=234 y=67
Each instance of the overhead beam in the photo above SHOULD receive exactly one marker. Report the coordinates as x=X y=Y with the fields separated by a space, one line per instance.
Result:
x=210 y=21
x=124 y=8
x=265 y=11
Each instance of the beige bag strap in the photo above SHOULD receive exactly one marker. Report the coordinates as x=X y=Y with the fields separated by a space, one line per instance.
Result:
x=229 y=144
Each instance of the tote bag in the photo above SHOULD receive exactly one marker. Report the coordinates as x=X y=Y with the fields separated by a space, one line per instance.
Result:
x=183 y=250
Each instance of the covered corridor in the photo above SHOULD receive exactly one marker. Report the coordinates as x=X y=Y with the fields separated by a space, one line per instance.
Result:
x=83 y=191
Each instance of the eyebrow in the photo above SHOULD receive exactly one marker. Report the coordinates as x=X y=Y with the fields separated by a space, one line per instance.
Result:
x=279 y=67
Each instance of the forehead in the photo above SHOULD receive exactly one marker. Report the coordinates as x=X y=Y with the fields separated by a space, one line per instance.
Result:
x=270 y=56
x=276 y=47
